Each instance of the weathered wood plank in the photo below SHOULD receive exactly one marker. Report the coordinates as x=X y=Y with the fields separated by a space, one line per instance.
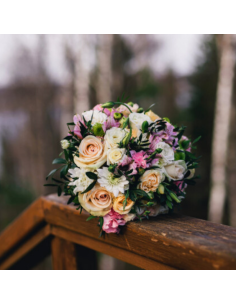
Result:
x=25 y=223
x=101 y=246
x=177 y=241
x=26 y=247
x=171 y=241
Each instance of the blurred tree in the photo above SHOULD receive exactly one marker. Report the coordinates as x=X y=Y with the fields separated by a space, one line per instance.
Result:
x=221 y=128
x=199 y=119
x=104 y=79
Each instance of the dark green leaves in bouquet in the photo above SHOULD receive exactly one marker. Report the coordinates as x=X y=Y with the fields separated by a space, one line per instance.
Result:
x=89 y=187
x=90 y=217
x=59 y=161
x=64 y=171
x=91 y=175
x=52 y=172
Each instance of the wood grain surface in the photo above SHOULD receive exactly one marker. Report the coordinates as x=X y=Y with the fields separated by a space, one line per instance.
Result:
x=164 y=242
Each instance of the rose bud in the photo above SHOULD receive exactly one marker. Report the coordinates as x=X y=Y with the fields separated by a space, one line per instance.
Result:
x=174 y=196
x=117 y=116
x=130 y=104
x=97 y=130
x=108 y=105
x=122 y=121
x=65 y=144
x=151 y=195
x=140 y=110
x=145 y=127
x=161 y=189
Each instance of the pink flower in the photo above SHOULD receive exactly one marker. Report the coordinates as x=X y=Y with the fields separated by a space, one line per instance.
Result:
x=126 y=160
x=110 y=122
x=133 y=166
x=139 y=158
x=98 y=107
x=153 y=140
x=168 y=135
x=112 y=221
x=184 y=138
x=78 y=120
x=181 y=185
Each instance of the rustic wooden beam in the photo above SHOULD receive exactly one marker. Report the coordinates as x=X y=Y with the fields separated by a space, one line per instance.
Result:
x=25 y=224
x=165 y=242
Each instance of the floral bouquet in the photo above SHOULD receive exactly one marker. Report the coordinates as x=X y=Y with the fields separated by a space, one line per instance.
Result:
x=124 y=163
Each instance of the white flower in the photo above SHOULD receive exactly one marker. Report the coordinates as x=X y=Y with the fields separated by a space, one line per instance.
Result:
x=167 y=152
x=114 y=136
x=65 y=144
x=111 y=183
x=83 y=180
x=137 y=119
x=114 y=155
x=98 y=117
x=176 y=170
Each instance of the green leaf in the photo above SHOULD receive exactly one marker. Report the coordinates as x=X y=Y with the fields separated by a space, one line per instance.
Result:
x=58 y=181
x=89 y=187
x=71 y=123
x=70 y=199
x=66 y=154
x=50 y=184
x=59 y=190
x=90 y=217
x=51 y=173
x=59 y=161
x=91 y=175
x=168 y=203
x=64 y=171
x=196 y=140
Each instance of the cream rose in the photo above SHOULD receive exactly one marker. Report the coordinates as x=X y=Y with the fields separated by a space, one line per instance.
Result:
x=114 y=155
x=118 y=204
x=150 y=180
x=92 y=153
x=114 y=136
x=167 y=151
x=136 y=120
x=176 y=170
x=98 y=201
x=98 y=116
x=152 y=115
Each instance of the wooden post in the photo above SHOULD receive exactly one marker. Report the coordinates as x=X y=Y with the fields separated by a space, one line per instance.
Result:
x=69 y=256
x=63 y=254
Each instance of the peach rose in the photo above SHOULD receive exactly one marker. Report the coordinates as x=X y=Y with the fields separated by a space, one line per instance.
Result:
x=150 y=180
x=118 y=204
x=97 y=202
x=92 y=153
x=152 y=115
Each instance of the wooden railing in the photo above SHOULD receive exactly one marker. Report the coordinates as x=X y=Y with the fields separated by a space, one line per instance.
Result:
x=165 y=242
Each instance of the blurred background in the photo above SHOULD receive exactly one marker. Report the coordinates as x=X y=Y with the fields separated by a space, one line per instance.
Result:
x=46 y=79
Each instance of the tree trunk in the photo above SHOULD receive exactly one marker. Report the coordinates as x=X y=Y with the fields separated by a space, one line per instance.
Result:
x=104 y=68
x=221 y=130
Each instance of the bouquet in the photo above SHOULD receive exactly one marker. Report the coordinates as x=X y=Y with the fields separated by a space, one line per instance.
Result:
x=122 y=163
